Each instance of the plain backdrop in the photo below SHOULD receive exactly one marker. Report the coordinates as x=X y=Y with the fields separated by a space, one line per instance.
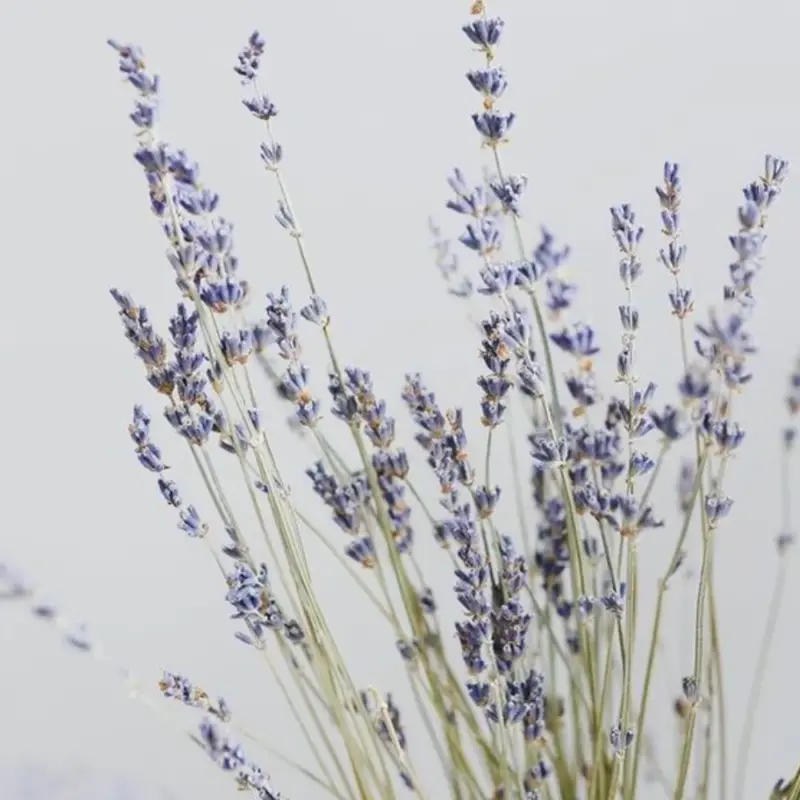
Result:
x=374 y=113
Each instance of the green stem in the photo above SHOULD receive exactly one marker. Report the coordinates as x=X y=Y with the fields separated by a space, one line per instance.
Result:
x=675 y=561
x=627 y=667
x=597 y=785
x=699 y=633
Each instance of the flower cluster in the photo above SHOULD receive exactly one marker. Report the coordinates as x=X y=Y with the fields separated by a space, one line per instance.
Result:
x=230 y=757
x=565 y=596
x=182 y=689
x=253 y=602
x=348 y=506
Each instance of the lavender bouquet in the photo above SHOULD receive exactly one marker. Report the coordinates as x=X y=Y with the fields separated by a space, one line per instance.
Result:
x=524 y=687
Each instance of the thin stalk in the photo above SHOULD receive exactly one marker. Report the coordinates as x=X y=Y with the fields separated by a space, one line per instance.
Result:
x=311 y=743
x=518 y=493
x=716 y=652
x=675 y=561
x=754 y=695
x=627 y=667
x=699 y=643
x=708 y=732
x=691 y=722
x=597 y=785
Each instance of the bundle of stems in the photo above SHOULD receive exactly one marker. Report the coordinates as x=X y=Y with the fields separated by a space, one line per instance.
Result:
x=542 y=686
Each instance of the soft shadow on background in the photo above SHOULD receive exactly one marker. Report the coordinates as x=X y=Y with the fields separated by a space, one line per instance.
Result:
x=374 y=113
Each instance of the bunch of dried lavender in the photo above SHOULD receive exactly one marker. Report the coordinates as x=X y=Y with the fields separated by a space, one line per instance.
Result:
x=557 y=609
